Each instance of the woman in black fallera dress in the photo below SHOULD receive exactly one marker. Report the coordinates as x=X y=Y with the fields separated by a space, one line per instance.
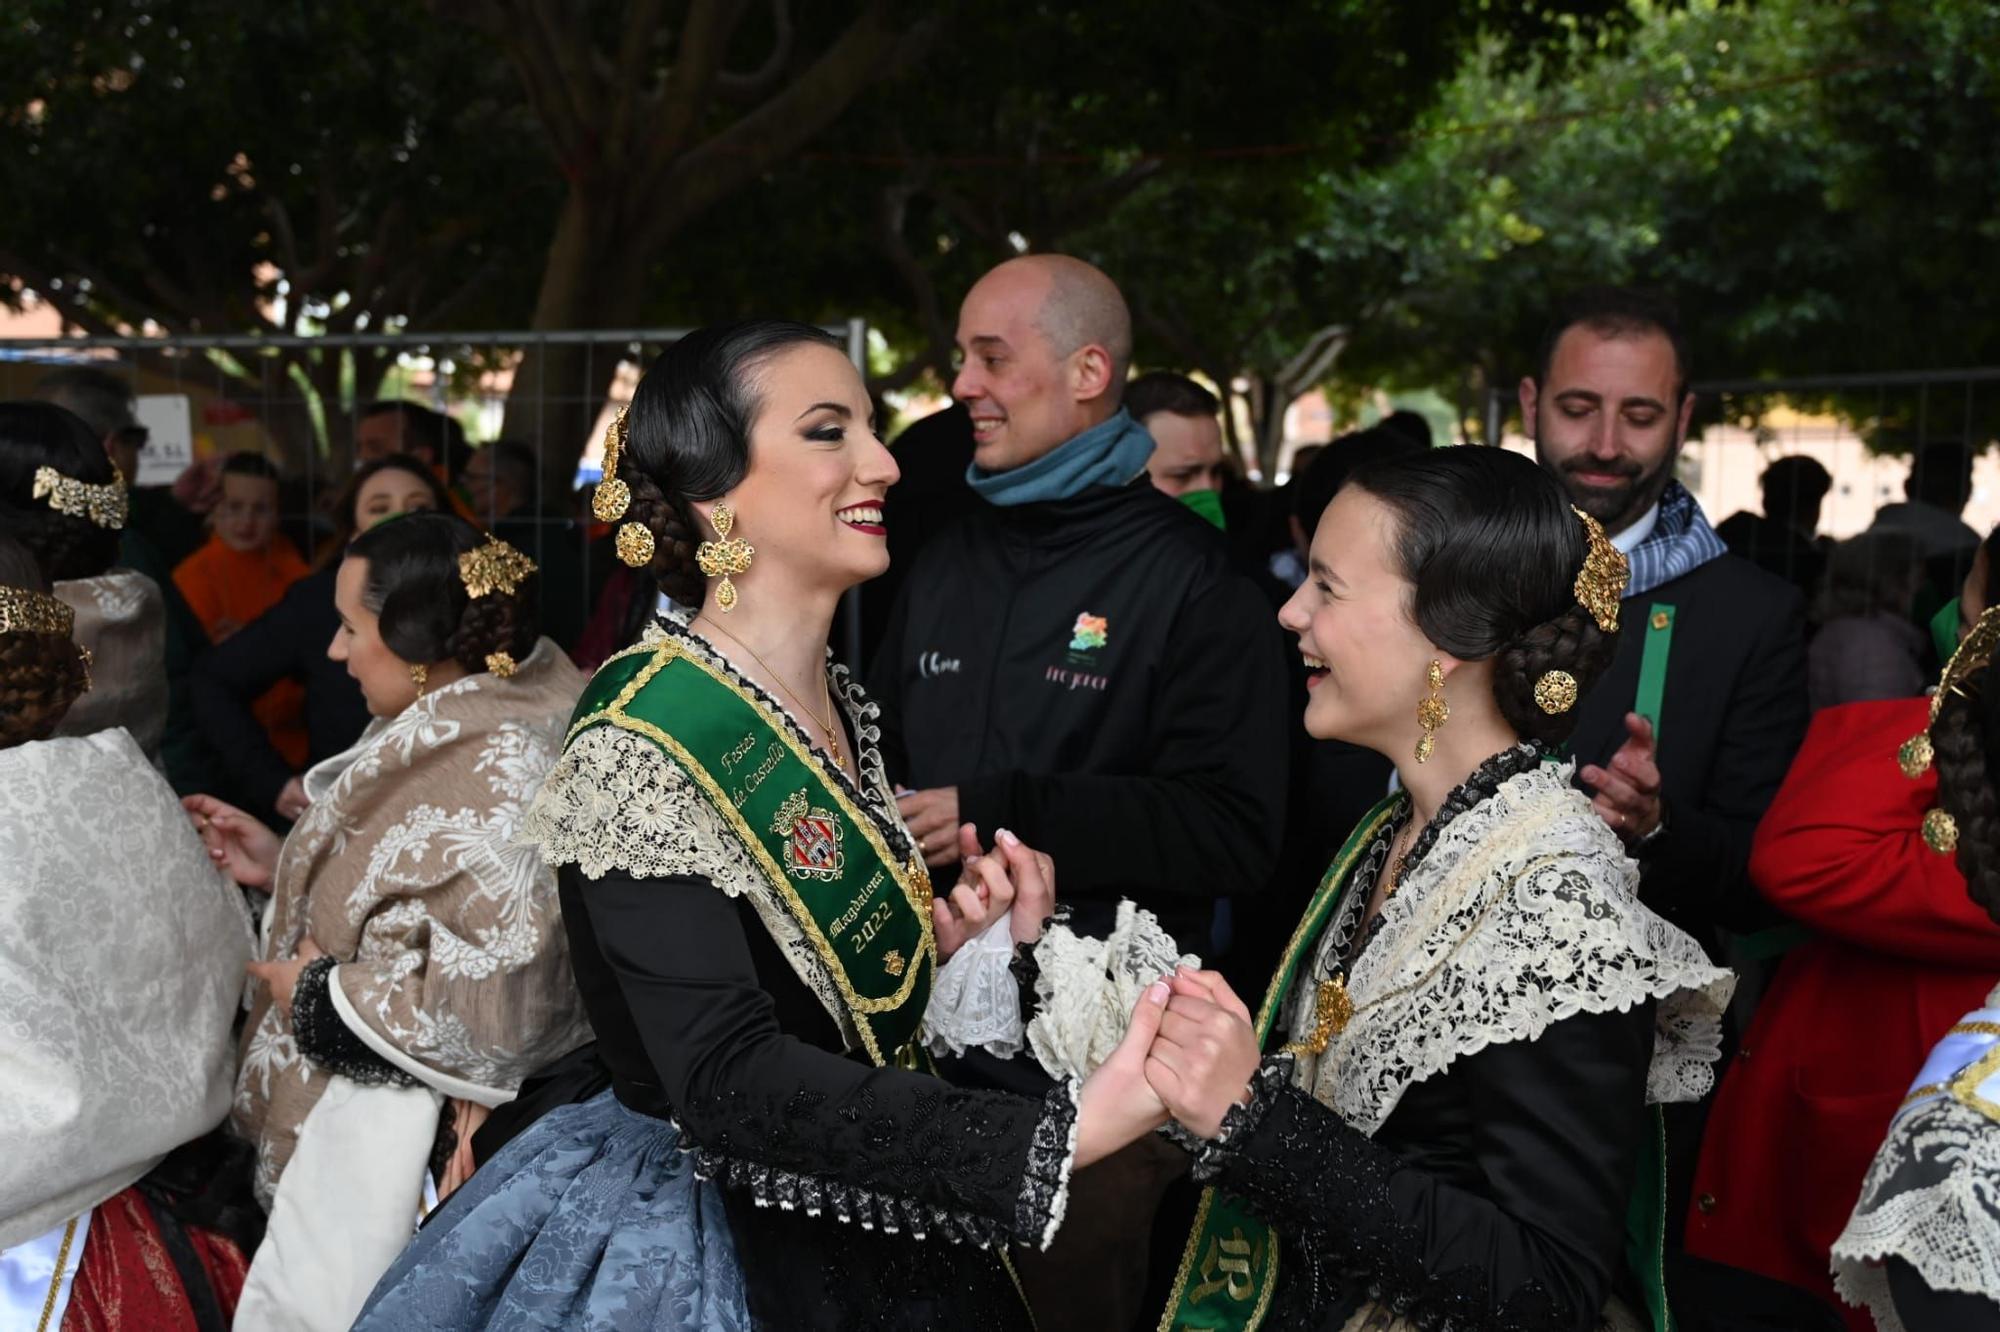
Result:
x=1439 y=1115
x=756 y=939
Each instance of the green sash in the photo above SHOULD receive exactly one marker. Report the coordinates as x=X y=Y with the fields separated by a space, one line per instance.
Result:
x=867 y=915
x=1229 y=1270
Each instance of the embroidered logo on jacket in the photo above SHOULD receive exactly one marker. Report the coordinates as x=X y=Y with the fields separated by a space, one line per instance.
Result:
x=812 y=847
x=1089 y=633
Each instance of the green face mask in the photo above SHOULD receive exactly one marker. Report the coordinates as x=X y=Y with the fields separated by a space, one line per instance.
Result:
x=1207 y=503
x=1944 y=630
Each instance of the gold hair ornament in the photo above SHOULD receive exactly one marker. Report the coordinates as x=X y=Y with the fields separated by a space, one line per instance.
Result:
x=1600 y=584
x=1972 y=655
x=493 y=567
x=1555 y=692
x=105 y=505
x=501 y=664
x=1433 y=712
x=724 y=557
x=1940 y=830
x=635 y=545
x=24 y=611
x=612 y=500
x=612 y=497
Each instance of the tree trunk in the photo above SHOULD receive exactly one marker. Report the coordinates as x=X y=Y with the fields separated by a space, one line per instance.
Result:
x=591 y=279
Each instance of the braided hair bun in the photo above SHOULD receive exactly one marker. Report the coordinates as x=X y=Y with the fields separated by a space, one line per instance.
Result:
x=1493 y=549
x=687 y=436
x=41 y=674
x=425 y=613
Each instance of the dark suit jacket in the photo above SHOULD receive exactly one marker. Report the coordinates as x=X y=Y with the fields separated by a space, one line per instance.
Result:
x=1732 y=716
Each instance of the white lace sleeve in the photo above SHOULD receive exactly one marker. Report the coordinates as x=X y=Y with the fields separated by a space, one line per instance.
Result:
x=975 y=1002
x=1929 y=1200
x=1088 y=987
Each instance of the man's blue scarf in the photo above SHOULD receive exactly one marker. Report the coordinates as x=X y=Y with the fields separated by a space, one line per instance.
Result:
x=1680 y=542
x=1110 y=453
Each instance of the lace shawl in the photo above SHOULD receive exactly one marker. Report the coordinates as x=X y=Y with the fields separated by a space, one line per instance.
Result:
x=1931 y=1198
x=1525 y=912
x=616 y=801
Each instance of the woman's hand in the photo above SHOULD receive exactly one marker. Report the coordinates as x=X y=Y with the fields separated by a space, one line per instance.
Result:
x=1117 y=1106
x=292 y=802
x=467 y=1116
x=984 y=893
x=1206 y=1051
x=240 y=846
x=1034 y=876
x=283 y=977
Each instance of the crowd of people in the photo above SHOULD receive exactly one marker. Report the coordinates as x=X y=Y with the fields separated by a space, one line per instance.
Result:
x=1452 y=890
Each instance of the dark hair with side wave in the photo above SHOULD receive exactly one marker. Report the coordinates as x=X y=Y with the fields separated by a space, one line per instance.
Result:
x=414 y=588
x=41 y=675
x=687 y=435
x=1965 y=734
x=1492 y=548
x=41 y=434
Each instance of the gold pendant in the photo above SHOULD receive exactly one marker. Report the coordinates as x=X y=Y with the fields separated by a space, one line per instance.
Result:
x=1915 y=756
x=1940 y=832
x=1332 y=1011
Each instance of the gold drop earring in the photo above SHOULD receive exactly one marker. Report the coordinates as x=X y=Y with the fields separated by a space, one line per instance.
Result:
x=420 y=676
x=1433 y=712
x=724 y=556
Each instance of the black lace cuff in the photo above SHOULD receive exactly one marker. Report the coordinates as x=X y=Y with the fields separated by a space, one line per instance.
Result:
x=1051 y=1157
x=1027 y=968
x=1211 y=1155
x=329 y=1042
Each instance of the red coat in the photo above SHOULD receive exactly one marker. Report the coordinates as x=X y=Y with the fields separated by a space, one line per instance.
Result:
x=1898 y=953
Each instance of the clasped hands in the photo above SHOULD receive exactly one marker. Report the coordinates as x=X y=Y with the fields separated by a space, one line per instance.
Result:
x=1012 y=879
x=1188 y=1055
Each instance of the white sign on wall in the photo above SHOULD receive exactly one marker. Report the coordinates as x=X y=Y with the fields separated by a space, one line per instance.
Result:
x=169 y=438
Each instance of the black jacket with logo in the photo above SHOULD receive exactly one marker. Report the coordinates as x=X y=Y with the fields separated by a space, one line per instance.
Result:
x=1089 y=674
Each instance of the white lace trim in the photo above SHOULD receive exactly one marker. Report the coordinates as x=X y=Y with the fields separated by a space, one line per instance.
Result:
x=975 y=1001
x=615 y=801
x=1088 y=987
x=1931 y=1198
x=1059 y=1206
x=1523 y=914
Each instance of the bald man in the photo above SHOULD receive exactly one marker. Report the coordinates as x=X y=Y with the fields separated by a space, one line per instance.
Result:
x=1076 y=663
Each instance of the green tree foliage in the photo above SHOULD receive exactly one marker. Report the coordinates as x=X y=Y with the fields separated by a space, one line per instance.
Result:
x=1816 y=184
x=203 y=167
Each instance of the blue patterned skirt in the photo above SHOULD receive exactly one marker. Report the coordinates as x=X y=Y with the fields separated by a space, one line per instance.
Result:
x=592 y=1219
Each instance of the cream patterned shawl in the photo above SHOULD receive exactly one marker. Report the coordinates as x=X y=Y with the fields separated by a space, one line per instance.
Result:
x=121 y=963
x=1525 y=912
x=452 y=960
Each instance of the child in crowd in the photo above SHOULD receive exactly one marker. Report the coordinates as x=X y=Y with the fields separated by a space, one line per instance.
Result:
x=241 y=572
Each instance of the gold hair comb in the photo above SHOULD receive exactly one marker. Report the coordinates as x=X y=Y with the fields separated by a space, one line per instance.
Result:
x=493 y=567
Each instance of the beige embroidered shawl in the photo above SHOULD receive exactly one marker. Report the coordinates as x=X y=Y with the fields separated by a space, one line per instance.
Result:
x=452 y=961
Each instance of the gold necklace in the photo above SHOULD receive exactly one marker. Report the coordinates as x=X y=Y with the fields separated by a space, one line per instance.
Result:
x=826 y=723
x=1402 y=861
